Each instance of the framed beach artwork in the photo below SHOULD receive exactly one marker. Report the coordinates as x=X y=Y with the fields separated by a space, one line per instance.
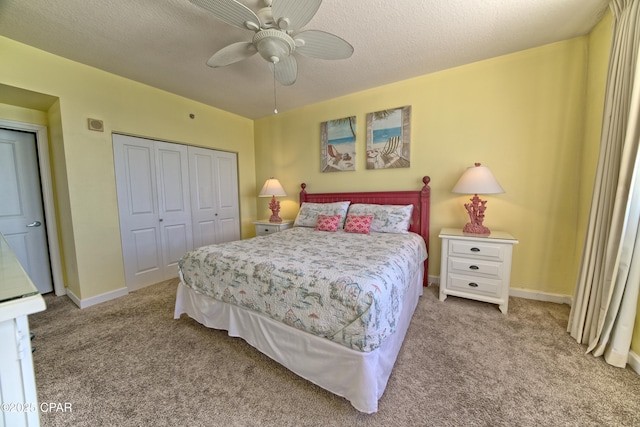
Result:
x=389 y=138
x=338 y=144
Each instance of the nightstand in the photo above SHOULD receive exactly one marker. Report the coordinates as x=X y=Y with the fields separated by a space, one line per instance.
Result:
x=476 y=267
x=264 y=227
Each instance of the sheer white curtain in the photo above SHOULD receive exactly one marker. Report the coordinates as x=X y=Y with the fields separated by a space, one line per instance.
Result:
x=606 y=296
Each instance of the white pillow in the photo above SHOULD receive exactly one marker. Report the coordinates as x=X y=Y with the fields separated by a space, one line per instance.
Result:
x=386 y=218
x=308 y=213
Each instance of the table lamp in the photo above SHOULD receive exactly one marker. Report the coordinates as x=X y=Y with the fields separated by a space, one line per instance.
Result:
x=477 y=180
x=273 y=188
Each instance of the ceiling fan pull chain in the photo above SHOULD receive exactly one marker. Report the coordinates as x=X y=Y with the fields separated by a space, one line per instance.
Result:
x=275 y=98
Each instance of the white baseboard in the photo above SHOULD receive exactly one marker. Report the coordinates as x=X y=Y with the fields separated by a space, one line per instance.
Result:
x=88 y=302
x=73 y=297
x=634 y=361
x=524 y=293
x=540 y=296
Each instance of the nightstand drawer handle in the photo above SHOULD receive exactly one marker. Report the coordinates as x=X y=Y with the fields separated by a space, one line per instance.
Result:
x=266 y=230
x=475 y=249
x=473 y=285
x=474 y=267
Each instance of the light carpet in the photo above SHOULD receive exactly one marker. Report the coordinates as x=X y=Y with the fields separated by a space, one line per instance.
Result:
x=127 y=362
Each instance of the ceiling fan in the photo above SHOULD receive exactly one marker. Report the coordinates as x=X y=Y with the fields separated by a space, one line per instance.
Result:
x=274 y=26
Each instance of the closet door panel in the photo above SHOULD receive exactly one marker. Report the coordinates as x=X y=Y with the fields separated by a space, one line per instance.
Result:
x=171 y=185
x=135 y=166
x=140 y=178
x=227 y=193
x=146 y=246
x=228 y=229
x=177 y=241
x=175 y=204
x=202 y=168
x=205 y=232
x=204 y=206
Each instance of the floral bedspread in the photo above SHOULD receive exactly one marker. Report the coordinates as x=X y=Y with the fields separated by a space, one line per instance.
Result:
x=346 y=287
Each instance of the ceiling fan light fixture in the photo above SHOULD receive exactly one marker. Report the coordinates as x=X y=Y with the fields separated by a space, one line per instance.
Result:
x=273 y=43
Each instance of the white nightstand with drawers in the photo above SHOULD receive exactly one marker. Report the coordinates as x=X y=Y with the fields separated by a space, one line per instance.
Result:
x=476 y=267
x=264 y=227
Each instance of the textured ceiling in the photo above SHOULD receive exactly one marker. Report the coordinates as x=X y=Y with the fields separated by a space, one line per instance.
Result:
x=166 y=44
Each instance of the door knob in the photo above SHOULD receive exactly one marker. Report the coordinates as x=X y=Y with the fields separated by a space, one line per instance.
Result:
x=34 y=224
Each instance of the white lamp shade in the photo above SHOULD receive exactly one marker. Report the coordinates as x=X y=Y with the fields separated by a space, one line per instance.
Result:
x=272 y=188
x=477 y=180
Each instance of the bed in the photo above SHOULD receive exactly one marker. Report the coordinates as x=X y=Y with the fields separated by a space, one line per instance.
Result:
x=333 y=307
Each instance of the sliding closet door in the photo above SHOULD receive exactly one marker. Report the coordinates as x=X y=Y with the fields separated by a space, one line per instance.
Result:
x=154 y=204
x=214 y=196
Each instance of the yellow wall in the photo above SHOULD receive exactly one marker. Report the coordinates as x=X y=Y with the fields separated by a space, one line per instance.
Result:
x=521 y=114
x=82 y=160
x=21 y=114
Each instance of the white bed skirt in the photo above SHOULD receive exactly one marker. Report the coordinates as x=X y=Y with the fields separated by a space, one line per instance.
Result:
x=359 y=377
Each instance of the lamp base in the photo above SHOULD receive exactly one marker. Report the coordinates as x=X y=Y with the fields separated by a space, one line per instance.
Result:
x=274 y=205
x=476 y=229
x=275 y=218
x=476 y=209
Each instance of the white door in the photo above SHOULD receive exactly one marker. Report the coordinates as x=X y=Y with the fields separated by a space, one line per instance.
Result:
x=227 y=191
x=152 y=180
x=214 y=196
x=135 y=165
x=174 y=205
x=21 y=212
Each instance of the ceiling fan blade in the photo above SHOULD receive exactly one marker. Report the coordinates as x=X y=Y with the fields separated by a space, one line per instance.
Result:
x=231 y=12
x=322 y=45
x=286 y=71
x=233 y=53
x=294 y=14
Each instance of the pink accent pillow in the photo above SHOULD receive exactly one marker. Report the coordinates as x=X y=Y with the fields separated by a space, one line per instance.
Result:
x=328 y=223
x=358 y=224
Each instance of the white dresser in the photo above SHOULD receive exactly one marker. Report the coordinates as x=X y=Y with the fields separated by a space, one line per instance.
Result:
x=18 y=298
x=476 y=267
x=264 y=227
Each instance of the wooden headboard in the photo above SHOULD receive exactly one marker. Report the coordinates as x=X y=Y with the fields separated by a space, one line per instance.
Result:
x=420 y=199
